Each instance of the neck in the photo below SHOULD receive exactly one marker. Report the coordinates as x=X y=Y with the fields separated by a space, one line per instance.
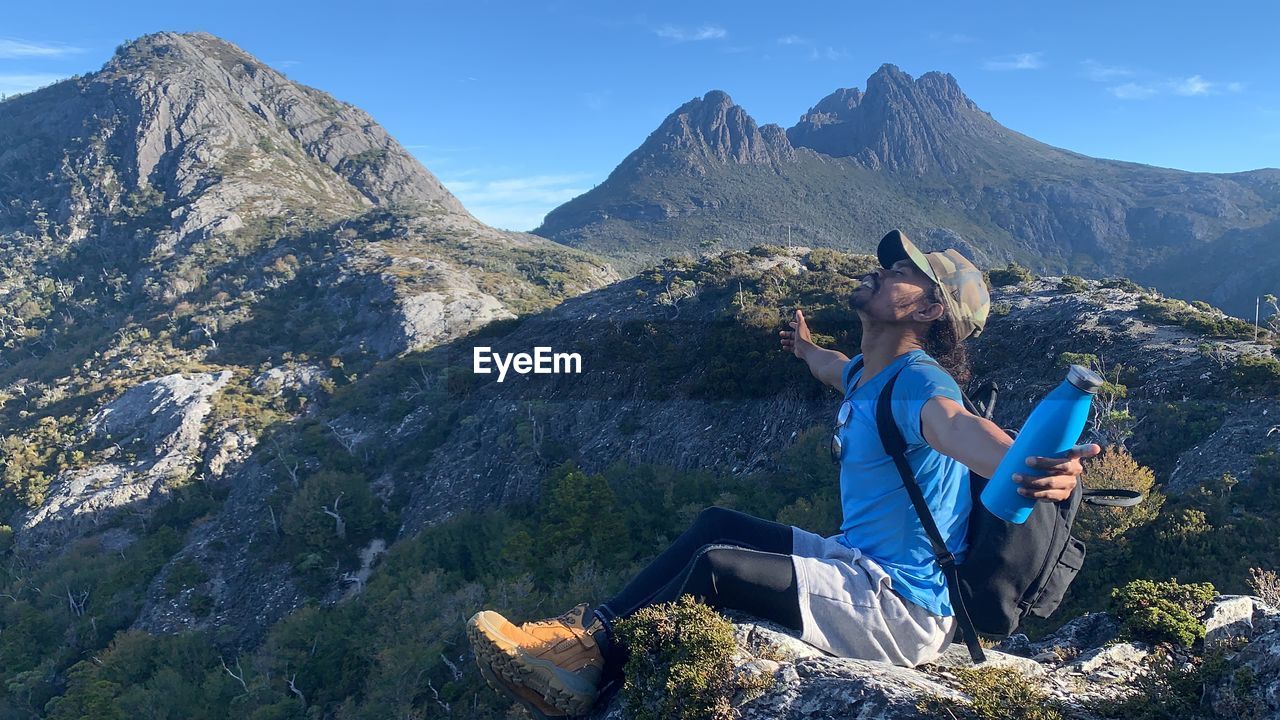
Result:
x=882 y=344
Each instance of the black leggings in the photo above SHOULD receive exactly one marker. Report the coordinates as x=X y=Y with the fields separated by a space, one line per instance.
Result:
x=726 y=559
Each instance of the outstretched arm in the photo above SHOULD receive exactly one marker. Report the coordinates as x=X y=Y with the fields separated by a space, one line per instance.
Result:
x=826 y=365
x=980 y=445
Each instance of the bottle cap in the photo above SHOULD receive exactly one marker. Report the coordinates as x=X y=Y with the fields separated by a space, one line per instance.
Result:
x=1084 y=379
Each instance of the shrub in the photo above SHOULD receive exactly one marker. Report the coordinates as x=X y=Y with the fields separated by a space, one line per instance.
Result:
x=1012 y=274
x=995 y=693
x=1163 y=611
x=681 y=662
x=1258 y=371
x=1088 y=360
x=1177 y=312
x=1266 y=585
x=1072 y=283
x=1121 y=283
x=1116 y=468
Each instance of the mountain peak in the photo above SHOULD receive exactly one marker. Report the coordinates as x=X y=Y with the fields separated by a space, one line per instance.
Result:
x=220 y=135
x=900 y=123
x=708 y=131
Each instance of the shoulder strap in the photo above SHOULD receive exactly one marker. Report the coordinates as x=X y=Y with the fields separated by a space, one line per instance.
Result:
x=848 y=374
x=896 y=446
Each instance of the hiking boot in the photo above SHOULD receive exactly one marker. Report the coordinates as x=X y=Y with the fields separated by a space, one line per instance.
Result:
x=557 y=658
x=530 y=700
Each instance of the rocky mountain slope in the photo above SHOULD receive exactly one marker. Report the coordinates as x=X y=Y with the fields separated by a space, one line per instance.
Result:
x=920 y=155
x=187 y=208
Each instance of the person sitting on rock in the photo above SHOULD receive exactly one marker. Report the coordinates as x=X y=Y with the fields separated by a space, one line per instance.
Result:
x=873 y=591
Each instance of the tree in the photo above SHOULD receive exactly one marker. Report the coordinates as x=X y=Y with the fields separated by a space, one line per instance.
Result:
x=329 y=508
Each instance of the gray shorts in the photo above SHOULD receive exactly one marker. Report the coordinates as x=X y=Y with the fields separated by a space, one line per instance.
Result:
x=849 y=608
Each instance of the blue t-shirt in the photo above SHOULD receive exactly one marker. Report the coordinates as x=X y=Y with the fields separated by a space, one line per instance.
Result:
x=878 y=517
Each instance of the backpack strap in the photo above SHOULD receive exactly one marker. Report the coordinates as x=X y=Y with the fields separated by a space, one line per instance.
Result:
x=848 y=374
x=896 y=446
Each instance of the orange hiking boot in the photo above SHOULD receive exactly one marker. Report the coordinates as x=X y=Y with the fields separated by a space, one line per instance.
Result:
x=532 y=701
x=557 y=658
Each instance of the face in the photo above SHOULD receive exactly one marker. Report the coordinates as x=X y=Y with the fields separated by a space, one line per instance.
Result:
x=896 y=295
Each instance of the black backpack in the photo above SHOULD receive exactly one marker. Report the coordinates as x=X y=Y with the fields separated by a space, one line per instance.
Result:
x=1012 y=570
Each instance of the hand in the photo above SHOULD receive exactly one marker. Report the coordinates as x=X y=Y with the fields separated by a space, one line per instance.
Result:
x=794 y=340
x=1060 y=474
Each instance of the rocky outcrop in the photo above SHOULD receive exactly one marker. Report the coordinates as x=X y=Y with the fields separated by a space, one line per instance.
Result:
x=1079 y=665
x=900 y=124
x=150 y=438
x=709 y=131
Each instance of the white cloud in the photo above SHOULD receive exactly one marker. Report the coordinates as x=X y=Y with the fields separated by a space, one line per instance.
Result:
x=517 y=203
x=816 y=52
x=703 y=32
x=1192 y=86
x=1132 y=91
x=21 y=83
x=1018 y=61
x=15 y=48
x=1099 y=72
x=957 y=38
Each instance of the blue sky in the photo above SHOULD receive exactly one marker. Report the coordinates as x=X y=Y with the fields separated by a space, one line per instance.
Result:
x=519 y=106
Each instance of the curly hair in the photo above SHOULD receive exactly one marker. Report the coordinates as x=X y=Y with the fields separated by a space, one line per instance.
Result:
x=942 y=344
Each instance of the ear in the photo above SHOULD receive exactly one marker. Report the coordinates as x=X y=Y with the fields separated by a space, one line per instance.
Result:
x=930 y=312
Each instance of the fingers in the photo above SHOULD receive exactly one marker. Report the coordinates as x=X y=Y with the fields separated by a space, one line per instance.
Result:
x=1086 y=450
x=1049 y=487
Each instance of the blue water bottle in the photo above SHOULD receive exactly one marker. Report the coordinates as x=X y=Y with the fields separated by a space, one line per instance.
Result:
x=1053 y=428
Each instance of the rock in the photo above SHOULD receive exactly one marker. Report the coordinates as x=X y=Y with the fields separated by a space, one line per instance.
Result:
x=1087 y=631
x=159 y=422
x=295 y=379
x=229 y=446
x=1121 y=660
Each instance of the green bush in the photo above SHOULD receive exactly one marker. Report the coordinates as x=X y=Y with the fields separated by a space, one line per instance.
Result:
x=1088 y=360
x=1121 y=283
x=1177 y=312
x=1163 y=611
x=995 y=693
x=680 y=664
x=1258 y=371
x=1012 y=274
x=1072 y=283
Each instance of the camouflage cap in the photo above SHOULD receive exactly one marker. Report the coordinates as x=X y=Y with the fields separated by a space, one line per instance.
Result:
x=964 y=292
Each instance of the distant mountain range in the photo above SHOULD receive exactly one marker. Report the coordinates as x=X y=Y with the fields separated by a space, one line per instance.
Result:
x=920 y=155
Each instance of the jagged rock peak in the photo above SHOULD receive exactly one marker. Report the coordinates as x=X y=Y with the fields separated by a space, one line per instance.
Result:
x=710 y=130
x=899 y=123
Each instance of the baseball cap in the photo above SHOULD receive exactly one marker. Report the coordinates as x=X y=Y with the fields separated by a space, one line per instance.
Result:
x=963 y=290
